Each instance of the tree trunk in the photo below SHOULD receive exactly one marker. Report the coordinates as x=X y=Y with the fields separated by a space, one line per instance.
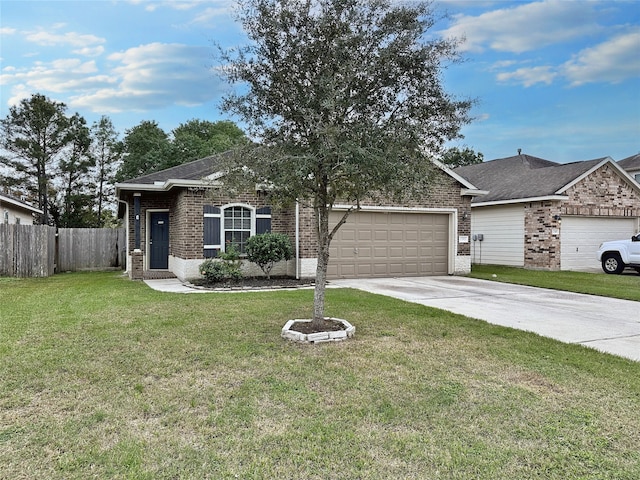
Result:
x=322 y=218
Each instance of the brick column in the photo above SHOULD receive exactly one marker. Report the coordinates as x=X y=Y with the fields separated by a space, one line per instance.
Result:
x=136 y=272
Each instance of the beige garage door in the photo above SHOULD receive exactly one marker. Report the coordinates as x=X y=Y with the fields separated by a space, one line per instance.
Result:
x=389 y=244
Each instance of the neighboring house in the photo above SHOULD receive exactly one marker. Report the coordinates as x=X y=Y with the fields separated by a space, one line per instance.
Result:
x=544 y=215
x=632 y=166
x=177 y=217
x=16 y=211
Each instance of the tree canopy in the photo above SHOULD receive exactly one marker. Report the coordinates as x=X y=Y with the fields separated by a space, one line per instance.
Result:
x=346 y=102
x=58 y=162
x=460 y=157
x=148 y=148
x=35 y=134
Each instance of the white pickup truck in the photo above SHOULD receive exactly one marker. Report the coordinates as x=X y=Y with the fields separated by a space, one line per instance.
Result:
x=617 y=255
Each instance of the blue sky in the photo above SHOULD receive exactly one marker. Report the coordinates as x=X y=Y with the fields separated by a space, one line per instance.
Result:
x=559 y=79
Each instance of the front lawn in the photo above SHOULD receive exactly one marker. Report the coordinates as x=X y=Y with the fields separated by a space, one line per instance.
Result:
x=626 y=286
x=101 y=377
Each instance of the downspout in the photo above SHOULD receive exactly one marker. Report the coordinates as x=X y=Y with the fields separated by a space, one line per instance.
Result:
x=297 y=240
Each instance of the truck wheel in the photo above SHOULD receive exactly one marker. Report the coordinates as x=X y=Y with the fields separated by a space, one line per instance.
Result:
x=612 y=263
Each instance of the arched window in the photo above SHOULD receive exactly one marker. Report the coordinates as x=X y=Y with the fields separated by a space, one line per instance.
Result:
x=236 y=226
x=233 y=224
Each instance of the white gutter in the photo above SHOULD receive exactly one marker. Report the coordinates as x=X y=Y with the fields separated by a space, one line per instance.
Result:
x=521 y=200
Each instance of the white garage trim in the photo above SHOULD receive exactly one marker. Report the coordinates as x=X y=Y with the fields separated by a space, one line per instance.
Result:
x=581 y=236
x=452 y=224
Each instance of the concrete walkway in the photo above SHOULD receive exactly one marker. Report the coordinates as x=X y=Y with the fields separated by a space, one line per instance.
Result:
x=606 y=324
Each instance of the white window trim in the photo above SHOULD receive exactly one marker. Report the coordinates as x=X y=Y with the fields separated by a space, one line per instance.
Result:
x=252 y=222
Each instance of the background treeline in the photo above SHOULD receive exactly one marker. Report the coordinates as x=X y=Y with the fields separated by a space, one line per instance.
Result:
x=68 y=169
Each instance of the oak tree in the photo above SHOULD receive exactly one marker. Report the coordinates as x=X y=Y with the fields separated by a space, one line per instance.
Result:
x=345 y=102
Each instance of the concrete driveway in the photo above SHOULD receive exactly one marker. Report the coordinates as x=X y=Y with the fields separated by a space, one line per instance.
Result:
x=606 y=324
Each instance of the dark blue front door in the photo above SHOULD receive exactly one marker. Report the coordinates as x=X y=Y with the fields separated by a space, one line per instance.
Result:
x=159 y=241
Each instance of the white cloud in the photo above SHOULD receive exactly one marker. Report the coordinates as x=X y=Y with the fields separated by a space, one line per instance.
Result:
x=612 y=61
x=154 y=76
x=211 y=13
x=70 y=38
x=525 y=27
x=529 y=76
x=90 y=51
x=7 y=31
x=58 y=76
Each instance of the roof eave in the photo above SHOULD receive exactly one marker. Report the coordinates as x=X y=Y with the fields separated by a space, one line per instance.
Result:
x=165 y=186
x=19 y=204
x=463 y=181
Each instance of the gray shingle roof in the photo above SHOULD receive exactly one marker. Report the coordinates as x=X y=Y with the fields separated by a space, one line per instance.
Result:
x=196 y=170
x=630 y=163
x=522 y=176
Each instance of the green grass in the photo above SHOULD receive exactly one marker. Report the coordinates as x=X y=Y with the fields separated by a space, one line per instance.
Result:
x=626 y=286
x=101 y=377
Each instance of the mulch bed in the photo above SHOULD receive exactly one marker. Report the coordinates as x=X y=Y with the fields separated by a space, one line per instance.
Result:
x=257 y=283
x=327 y=325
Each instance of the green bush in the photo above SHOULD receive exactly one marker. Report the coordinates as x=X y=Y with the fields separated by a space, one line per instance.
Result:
x=266 y=249
x=226 y=267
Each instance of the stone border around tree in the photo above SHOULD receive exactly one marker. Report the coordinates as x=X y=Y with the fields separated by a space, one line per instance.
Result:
x=319 y=337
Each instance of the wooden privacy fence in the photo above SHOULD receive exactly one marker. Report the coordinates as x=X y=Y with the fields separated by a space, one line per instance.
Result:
x=38 y=251
x=27 y=250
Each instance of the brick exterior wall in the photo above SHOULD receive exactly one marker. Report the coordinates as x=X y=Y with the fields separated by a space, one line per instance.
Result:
x=604 y=193
x=542 y=235
x=185 y=206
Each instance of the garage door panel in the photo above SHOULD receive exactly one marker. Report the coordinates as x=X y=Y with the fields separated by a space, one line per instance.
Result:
x=396 y=235
x=390 y=244
x=381 y=235
x=364 y=270
x=411 y=268
x=411 y=236
x=581 y=237
x=380 y=269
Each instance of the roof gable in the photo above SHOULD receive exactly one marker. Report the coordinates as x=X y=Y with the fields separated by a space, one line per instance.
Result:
x=525 y=177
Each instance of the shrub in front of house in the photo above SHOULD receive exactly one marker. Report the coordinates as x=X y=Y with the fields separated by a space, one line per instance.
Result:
x=267 y=249
x=224 y=268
